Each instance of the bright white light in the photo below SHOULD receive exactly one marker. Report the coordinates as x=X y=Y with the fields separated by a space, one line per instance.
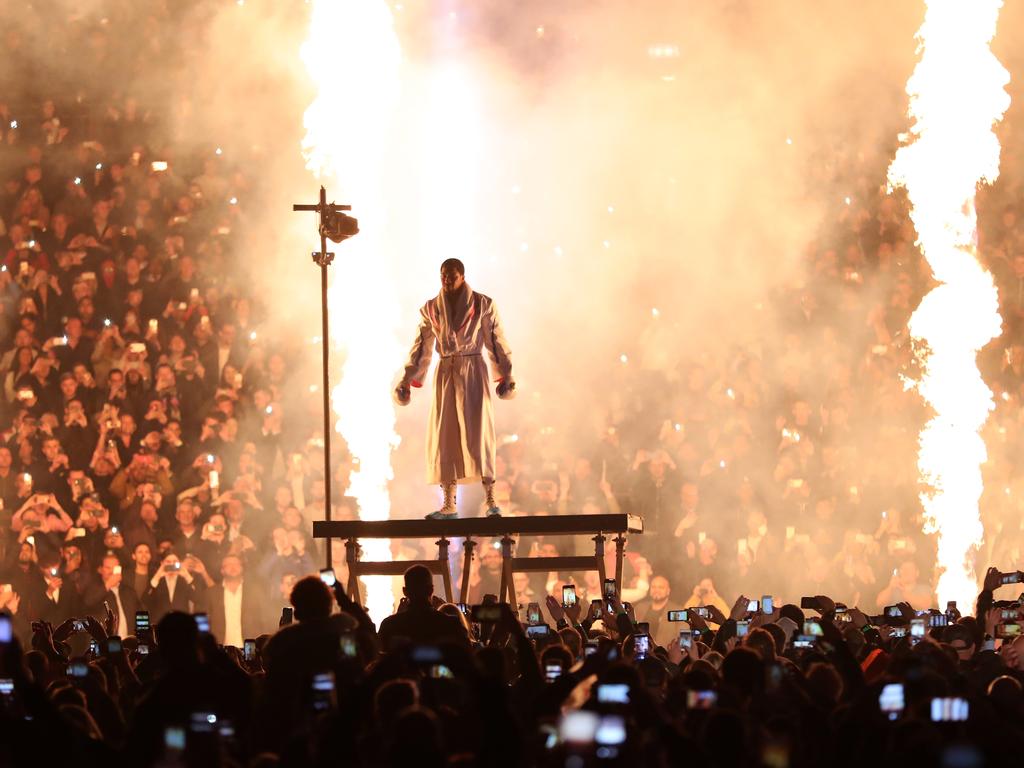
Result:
x=663 y=51
x=623 y=359
x=957 y=92
x=347 y=131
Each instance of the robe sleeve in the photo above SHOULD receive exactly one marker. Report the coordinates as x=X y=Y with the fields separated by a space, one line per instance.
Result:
x=420 y=354
x=497 y=345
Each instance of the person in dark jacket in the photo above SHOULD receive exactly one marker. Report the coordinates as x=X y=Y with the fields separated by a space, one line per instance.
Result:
x=420 y=622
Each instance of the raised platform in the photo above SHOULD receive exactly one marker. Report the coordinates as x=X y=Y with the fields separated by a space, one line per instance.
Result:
x=505 y=528
x=478 y=527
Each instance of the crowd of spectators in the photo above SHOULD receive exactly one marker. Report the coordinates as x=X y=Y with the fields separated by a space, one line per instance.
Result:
x=153 y=450
x=157 y=455
x=755 y=684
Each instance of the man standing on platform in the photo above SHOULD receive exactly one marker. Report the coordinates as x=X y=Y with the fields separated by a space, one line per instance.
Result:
x=460 y=324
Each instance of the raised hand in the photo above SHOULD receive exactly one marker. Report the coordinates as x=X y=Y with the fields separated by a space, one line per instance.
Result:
x=573 y=612
x=675 y=652
x=992 y=576
x=554 y=608
x=739 y=608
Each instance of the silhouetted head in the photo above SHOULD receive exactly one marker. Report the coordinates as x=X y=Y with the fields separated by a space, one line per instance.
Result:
x=178 y=638
x=311 y=599
x=419 y=584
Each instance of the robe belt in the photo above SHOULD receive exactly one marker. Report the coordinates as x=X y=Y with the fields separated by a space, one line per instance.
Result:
x=465 y=354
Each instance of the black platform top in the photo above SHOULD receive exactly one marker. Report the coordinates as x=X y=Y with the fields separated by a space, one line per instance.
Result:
x=482 y=527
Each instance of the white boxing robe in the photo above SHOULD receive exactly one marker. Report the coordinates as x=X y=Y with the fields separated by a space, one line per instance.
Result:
x=461 y=442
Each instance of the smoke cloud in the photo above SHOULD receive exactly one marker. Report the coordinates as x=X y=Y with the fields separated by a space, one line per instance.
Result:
x=633 y=185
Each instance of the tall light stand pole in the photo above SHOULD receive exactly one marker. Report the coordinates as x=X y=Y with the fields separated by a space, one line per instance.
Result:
x=334 y=224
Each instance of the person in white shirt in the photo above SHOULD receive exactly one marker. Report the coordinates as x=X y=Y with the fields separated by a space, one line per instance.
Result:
x=235 y=605
x=121 y=599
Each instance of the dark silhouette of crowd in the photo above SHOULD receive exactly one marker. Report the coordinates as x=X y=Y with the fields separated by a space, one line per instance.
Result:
x=160 y=469
x=443 y=684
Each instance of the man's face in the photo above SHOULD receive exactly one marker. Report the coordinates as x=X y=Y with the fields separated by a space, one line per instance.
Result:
x=74 y=410
x=964 y=650
x=287 y=584
x=186 y=514
x=112 y=540
x=318 y=491
x=5 y=458
x=282 y=496
x=491 y=559
x=708 y=551
x=235 y=512
x=280 y=537
x=291 y=518
x=148 y=513
x=142 y=554
x=27 y=553
x=106 y=570
x=231 y=568
x=659 y=589
x=451 y=279
x=72 y=558
x=226 y=335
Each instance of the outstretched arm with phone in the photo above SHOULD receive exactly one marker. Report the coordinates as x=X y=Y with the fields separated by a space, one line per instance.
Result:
x=992 y=582
x=367 y=629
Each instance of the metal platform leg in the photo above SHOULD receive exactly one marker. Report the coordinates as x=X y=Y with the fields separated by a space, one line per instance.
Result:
x=446 y=568
x=599 y=557
x=620 y=548
x=352 y=560
x=507 y=586
x=467 y=560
